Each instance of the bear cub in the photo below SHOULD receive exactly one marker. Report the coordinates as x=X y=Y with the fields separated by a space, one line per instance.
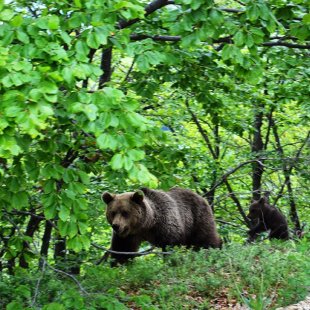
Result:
x=267 y=217
x=176 y=217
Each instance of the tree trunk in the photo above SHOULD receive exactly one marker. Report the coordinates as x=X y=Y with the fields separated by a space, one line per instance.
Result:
x=32 y=226
x=286 y=171
x=106 y=66
x=45 y=241
x=257 y=147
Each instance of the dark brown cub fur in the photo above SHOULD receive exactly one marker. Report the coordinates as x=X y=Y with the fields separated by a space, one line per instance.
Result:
x=267 y=217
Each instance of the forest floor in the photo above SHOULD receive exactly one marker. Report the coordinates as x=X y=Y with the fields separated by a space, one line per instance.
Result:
x=262 y=276
x=302 y=305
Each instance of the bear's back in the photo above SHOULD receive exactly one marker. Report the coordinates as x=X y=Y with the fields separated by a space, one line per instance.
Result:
x=178 y=214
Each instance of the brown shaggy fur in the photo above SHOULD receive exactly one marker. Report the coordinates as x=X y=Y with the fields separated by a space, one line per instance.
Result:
x=176 y=217
x=267 y=218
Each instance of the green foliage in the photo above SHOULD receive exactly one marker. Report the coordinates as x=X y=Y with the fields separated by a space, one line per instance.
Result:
x=262 y=276
x=175 y=105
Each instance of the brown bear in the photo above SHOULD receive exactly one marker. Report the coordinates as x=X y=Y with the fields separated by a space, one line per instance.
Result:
x=266 y=217
x=176 y=217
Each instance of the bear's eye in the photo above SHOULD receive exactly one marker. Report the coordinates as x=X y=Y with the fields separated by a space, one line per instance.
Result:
x=125 y=214
x=113 y=213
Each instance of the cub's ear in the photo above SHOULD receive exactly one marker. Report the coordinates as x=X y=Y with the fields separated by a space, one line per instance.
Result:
x=107 y=197
x=262 y=199
x=137 y=197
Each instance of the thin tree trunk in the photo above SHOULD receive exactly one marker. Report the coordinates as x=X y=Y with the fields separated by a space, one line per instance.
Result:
x=106 y=66
x=32 y=226
x=286 y=171
x=257 y=147
x=46 y=240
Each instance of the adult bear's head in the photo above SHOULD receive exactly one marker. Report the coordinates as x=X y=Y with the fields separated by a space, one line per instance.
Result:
x=125 y=212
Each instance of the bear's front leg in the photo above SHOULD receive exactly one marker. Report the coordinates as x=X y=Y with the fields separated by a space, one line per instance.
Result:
x=126 y=244
x=254 y=231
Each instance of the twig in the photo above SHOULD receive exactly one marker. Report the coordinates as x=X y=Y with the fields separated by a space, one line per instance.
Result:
x=36 y=292
x=142 y=253
x=230 y=224
x=228 y=173
x=70 y=276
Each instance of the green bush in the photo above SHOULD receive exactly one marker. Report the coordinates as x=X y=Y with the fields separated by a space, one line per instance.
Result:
x=261 y=276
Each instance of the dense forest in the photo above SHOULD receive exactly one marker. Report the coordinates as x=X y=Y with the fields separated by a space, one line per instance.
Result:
x=97 y=96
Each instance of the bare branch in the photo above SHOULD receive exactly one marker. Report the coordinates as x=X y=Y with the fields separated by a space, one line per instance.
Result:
x=200 y=129
x=236 y=201
x=167 y=38
x=142 y=253
x=36 y=292
x=286 y=44
x=228 y=173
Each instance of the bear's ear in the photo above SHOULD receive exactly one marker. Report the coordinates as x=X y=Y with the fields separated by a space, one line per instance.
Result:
x=107 y=197
x=262 y=199
x=137 y=197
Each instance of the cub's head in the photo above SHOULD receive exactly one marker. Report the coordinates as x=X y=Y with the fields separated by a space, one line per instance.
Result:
x=125 y=212
x=257 y=209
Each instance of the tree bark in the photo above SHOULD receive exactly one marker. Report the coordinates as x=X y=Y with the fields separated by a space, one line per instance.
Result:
x=32 y=226
x=105 y=66
x=256 y=148
x=46 y=240
x=287 y=176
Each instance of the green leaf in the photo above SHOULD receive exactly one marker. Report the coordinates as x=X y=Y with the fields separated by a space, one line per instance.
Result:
x=306 y=18
x=22 y=36
x=84 y=177
x=64 y=213
x=75 y=244
x=83 y=227
x=128 y=163
x=14 y=305
x=6 y=15
x=63 y=227
x=91 y=111
x=77 y=187
x=93 y=40
x=136 y=155
x=107 y=141
x=68 y=76
x=239 y=38
x=66 y=38
x=77 y=3
x=117 y=162
x=227 y=51
x=17 y=21
x=72 y=229
x=216 y=17
x=53 y=22
x=50 y=212
x=252 y=12
x=49 y=186
x=49 y=88
x=85 y=242
x=19 y=200
x=54 y=306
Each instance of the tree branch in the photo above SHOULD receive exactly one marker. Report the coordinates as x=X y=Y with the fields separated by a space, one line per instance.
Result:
x=286 y=44
x=167 y=38
x=149 y=9
x=200 y=129
x=228 y=173
x=105 y=66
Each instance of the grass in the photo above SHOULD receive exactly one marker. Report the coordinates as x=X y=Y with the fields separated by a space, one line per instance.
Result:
x=261 y=276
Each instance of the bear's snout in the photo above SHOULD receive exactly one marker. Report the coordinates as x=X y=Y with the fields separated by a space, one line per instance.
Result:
x=115 y=227
x=120 y=229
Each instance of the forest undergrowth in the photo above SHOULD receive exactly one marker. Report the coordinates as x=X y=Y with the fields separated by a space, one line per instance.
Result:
x=259 y=276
